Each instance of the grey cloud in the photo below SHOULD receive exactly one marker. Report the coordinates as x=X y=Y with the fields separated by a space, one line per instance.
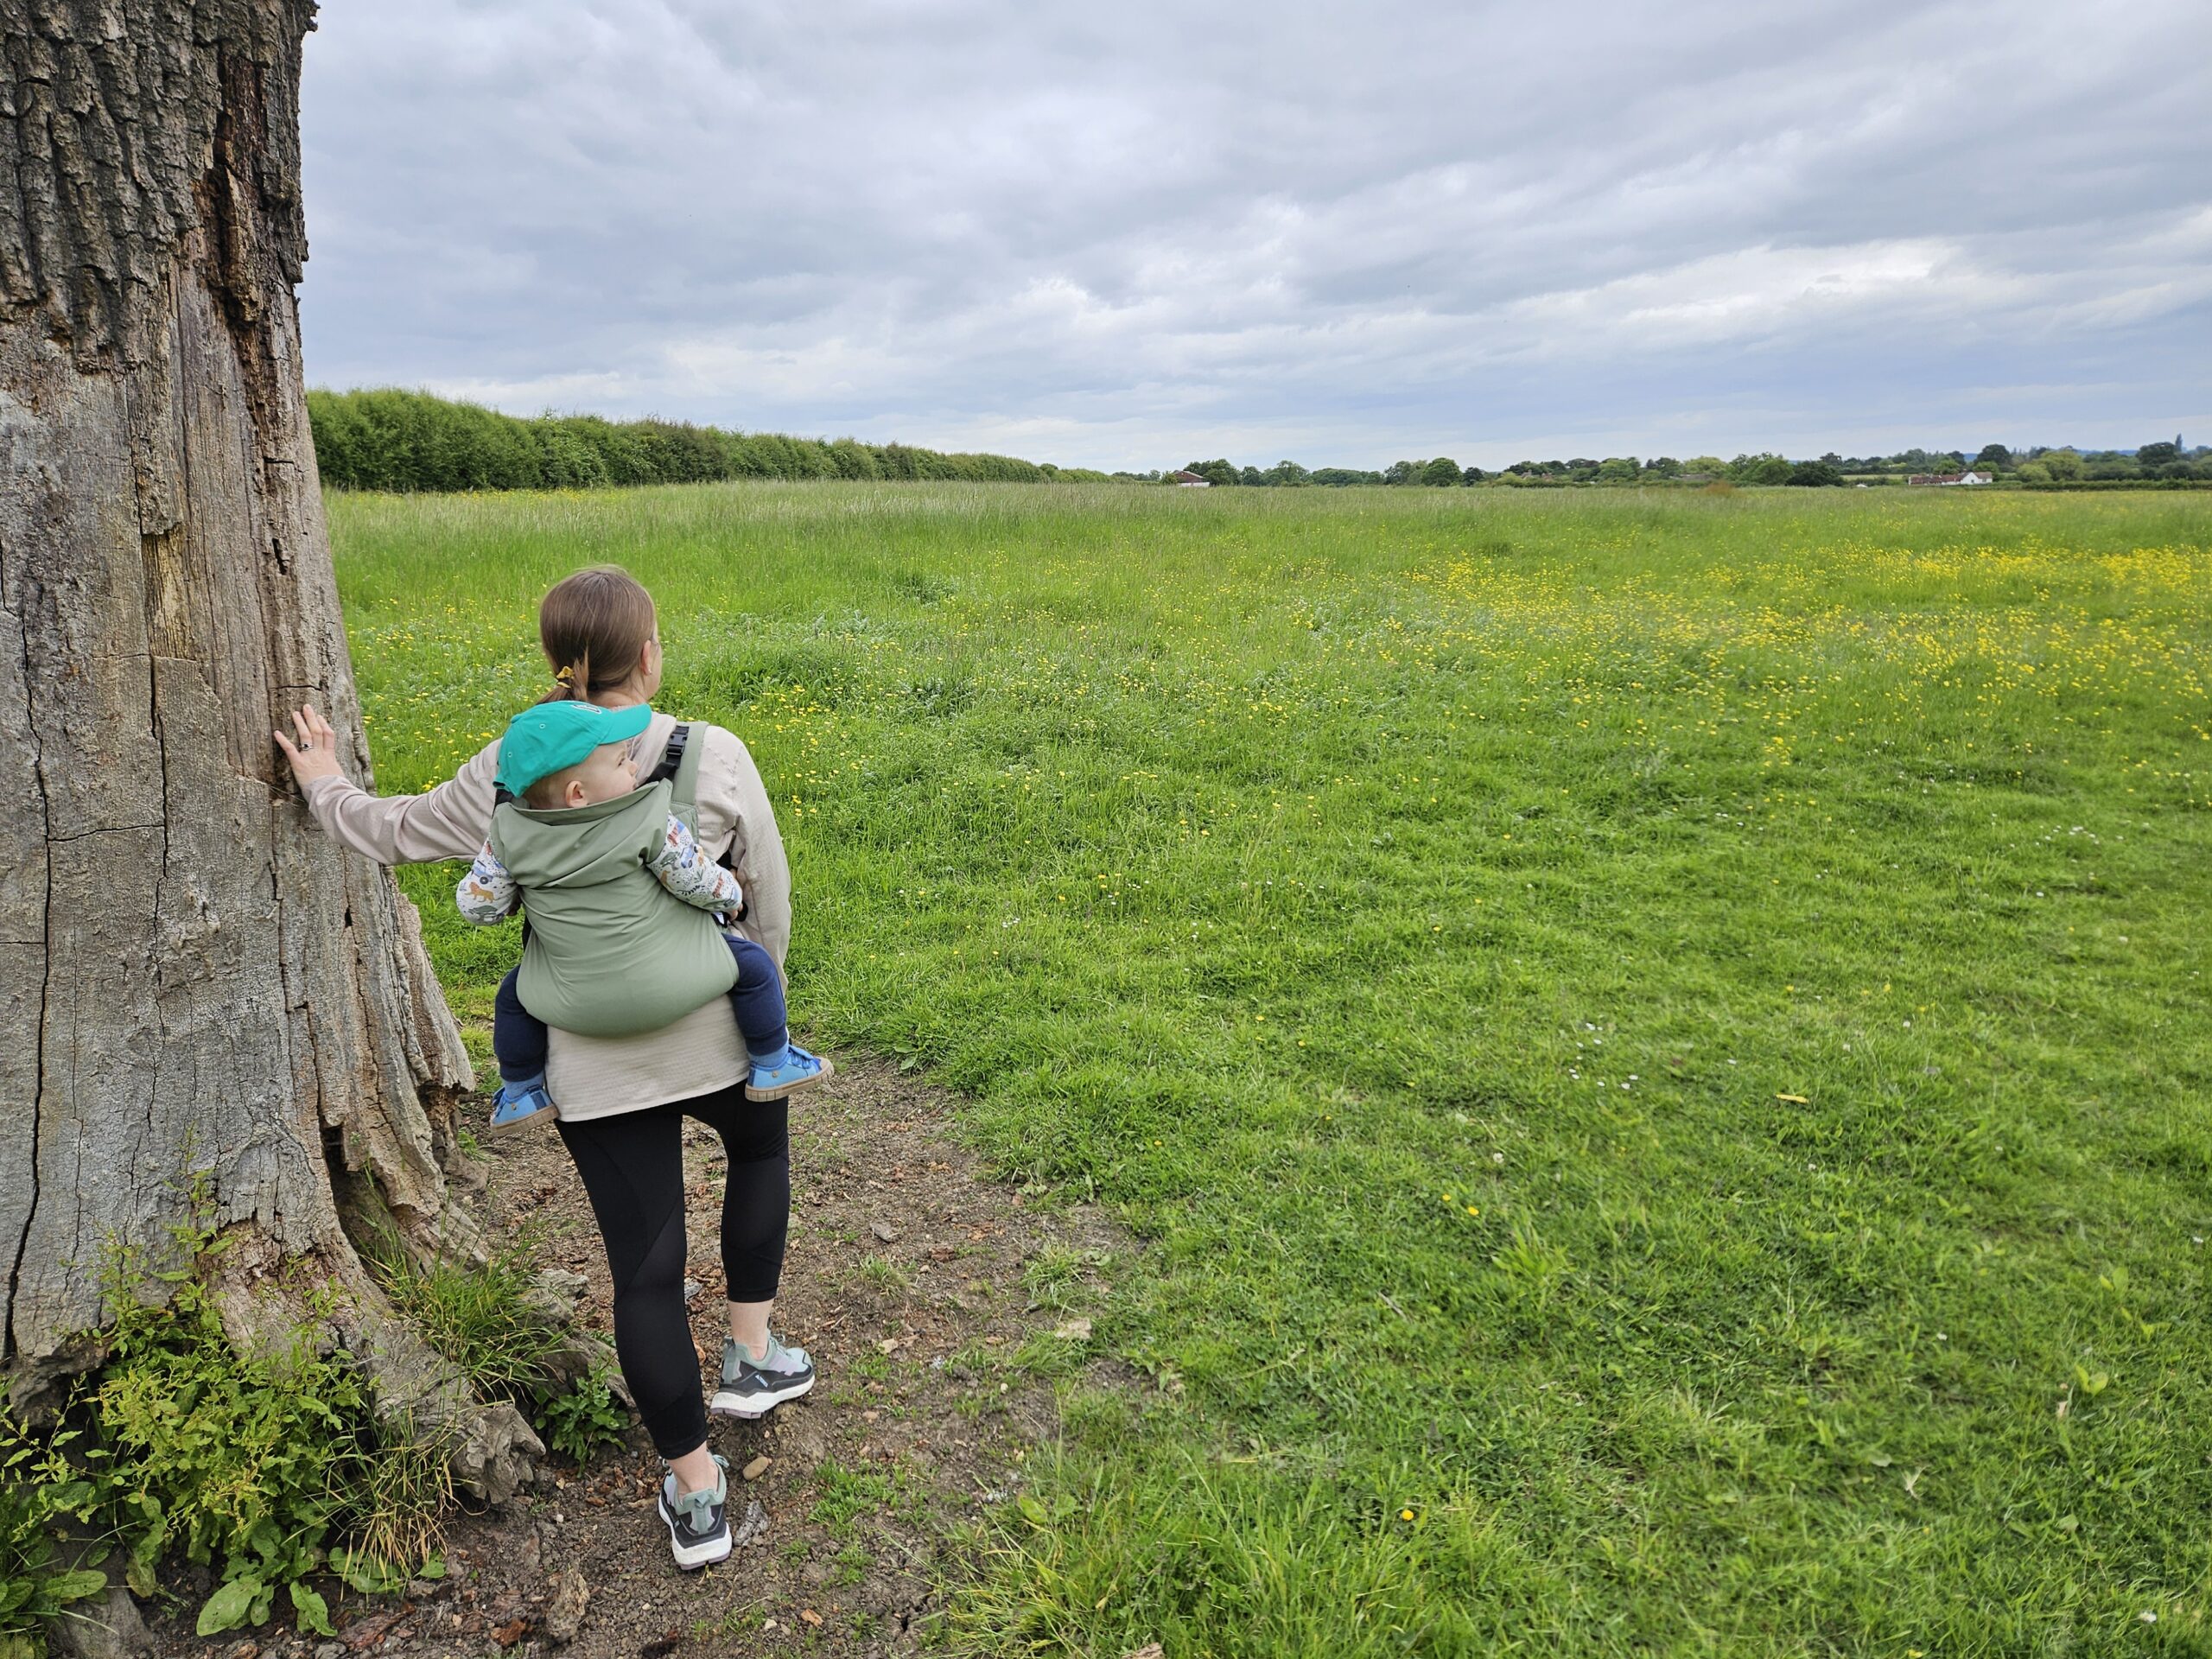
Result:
x=1120 y=236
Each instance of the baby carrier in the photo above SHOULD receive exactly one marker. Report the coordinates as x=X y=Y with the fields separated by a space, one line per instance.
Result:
x=606 y=950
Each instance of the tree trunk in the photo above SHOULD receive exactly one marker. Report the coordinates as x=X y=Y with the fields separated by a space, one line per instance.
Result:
x=194 y=983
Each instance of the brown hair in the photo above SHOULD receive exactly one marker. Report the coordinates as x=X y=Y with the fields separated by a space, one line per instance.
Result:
x=594 y=625
x=544 y=795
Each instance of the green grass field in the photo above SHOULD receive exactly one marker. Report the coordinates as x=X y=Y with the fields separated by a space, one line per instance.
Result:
x=1659 y=1042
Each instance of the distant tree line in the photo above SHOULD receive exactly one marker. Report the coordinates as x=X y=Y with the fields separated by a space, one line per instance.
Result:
x=1288 y=474
x=2161 y=463
x=411 y=441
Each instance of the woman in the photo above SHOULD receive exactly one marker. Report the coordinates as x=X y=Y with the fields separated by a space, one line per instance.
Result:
x=622 y=1101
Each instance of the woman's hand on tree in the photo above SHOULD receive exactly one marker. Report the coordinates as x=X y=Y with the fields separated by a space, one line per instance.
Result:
x=315 y=754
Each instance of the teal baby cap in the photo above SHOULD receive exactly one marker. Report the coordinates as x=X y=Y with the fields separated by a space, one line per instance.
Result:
x=552 y=736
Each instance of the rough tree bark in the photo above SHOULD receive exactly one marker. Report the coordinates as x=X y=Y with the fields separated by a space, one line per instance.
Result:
x=192 y=980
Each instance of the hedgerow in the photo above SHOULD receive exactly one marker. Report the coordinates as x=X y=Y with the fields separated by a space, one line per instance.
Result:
x=410 y=441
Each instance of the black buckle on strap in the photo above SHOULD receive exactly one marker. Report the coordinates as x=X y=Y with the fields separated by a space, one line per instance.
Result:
x=673 y=756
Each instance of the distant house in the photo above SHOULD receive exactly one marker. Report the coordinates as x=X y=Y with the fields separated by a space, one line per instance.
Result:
x=1190 y=480
x=1944 y=480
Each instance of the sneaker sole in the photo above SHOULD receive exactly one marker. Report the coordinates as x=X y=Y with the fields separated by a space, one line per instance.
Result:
x=747 y=1408
x=692 y=1557
x=545 y=1114
x=786 y=1090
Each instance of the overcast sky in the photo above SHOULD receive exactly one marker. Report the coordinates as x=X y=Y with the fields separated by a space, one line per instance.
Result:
x=1136 y=235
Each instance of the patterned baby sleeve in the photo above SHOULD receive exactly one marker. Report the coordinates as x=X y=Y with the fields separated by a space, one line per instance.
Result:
x=682 y=865
x=487 y=894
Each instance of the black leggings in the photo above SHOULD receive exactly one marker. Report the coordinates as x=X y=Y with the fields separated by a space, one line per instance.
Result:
x=633 y=1167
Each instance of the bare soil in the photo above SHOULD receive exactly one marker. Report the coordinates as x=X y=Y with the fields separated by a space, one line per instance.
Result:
x=913 y=1281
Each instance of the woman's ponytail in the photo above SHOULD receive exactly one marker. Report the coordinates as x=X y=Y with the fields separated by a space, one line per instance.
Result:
x=594 y=627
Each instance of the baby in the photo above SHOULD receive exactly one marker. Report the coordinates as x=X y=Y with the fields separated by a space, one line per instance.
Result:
x=626 y=918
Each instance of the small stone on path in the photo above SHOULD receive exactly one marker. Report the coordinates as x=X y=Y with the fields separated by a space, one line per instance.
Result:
x=559 y=1285
x=571 y=1596
x=754 y=1526
x=755 y=1469
x=885 y=1231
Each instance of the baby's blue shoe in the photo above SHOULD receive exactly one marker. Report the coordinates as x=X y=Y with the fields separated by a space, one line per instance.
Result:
x=517 y=1103
x=795 y=1069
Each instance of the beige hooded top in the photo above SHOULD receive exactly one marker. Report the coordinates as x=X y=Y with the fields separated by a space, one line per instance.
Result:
x=597 y=1076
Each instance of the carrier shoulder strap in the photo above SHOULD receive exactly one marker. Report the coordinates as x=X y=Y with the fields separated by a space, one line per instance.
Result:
x=679 y=763
x=671 y=754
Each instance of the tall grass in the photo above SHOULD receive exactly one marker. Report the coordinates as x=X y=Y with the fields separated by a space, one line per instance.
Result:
x=1661 y=1043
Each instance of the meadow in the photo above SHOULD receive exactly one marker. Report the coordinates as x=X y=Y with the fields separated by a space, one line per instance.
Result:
x=1658 y=1044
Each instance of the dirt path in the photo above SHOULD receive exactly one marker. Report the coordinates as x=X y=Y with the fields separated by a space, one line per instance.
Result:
x=938 y=1309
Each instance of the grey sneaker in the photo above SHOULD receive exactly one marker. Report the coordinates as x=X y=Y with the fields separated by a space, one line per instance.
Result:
x=698 y=1522
x=754 y=1387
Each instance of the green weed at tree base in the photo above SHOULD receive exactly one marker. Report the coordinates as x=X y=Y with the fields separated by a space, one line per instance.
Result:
x=483 y=1319
x=256 y=1465
x=268 y=1466
x=495 y=1326
x=584 y=1420
x=1655 y=1040
x=40 y=1495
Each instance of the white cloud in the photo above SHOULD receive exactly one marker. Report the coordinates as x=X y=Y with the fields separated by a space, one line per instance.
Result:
x=1129 y=235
